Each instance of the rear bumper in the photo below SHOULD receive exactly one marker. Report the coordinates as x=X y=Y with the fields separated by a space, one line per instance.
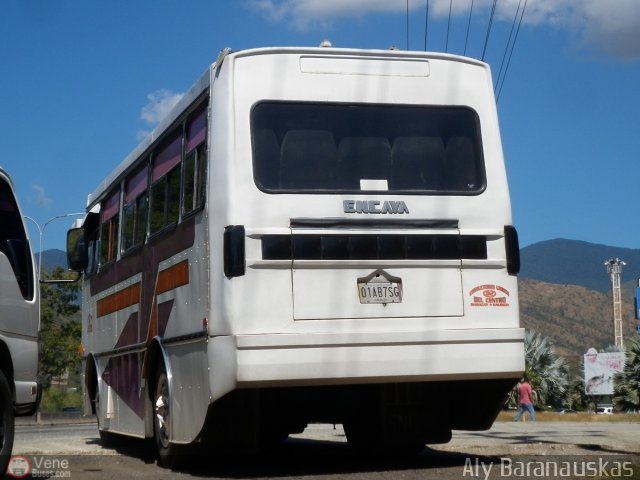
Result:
x=352 y=358
x=28 y=395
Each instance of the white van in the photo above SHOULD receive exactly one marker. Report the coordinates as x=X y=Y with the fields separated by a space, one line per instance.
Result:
x=607 y=410
x=19 y=319
x=311 y=235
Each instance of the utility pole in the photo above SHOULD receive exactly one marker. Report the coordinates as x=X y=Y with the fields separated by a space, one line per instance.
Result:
x=614 y=269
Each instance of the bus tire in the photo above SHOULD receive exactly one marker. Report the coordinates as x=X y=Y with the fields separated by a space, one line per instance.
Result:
x=169 y=454
x=367 y=436
x=6 y=423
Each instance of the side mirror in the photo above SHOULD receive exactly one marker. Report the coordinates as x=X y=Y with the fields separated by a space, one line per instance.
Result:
x=77 y=254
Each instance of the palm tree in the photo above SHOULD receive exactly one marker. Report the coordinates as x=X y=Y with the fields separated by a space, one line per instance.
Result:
x=547 y=372
x=576 y=397
x=626 y=384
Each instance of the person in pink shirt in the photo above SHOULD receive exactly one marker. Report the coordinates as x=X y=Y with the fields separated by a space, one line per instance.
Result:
x=525 y=394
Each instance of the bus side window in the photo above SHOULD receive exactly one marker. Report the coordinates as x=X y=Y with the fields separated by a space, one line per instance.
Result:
x=194 y=182
x=195 y=163
x=109 y=228
x=136 y=207
x=165 y=190
x=13 y=242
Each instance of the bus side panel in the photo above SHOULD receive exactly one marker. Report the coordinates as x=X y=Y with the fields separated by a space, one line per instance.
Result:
x=189 y=389
x=185 y=335
x=114 y=410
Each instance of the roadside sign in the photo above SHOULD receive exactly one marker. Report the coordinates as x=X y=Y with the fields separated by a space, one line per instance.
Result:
x=599 y=369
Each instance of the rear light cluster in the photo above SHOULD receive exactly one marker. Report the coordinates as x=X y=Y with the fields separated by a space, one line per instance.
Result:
x=512 y=245
x=234 y=256
x=374 y=247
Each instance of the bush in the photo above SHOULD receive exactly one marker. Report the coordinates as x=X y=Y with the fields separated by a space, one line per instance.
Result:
x=54 y=399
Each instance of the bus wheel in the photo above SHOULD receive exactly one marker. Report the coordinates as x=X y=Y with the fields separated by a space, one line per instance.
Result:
x=6 y=423
x=168 y=453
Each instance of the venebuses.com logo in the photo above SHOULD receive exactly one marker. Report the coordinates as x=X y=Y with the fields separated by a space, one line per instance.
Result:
x=18 y=467
x=38 y=467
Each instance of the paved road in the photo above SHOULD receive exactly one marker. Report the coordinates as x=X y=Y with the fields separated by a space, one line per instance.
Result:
x=75 y=451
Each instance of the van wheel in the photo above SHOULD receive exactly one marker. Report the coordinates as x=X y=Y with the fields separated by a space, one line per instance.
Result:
x=6 y=423
x=168 y=453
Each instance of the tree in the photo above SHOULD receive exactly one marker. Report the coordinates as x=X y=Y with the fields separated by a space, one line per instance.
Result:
x=547 y=372
x=60 y=330
x=626 y=384
x=60 y=299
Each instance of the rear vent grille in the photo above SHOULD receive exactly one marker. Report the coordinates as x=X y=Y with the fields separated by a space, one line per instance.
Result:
x=374 y=247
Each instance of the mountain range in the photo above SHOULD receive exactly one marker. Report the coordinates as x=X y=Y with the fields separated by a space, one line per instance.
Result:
x=52 y=258
x=573 y=262
x=565 y=292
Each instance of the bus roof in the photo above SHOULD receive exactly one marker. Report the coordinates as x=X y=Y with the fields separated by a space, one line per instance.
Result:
x=391 y=53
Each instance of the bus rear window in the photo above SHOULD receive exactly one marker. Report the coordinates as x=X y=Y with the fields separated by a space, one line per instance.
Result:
x=324 y=148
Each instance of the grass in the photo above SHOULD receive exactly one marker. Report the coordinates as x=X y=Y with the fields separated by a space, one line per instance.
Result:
x=507 y=416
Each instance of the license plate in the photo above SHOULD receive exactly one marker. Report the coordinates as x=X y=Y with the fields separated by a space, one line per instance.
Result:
x=380 y=292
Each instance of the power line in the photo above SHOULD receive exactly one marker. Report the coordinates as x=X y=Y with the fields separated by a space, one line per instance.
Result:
x=426 y=26
x=407 y=24
x=468 y=27
x=509 y=47
x=446 y=45
x=506 y=47
x=486 y=41
x=512 y=48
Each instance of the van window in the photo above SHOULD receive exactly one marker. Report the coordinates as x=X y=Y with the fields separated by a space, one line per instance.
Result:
x=13 y=241
x=310 y=147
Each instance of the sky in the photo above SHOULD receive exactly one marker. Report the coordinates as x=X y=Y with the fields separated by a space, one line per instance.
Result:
x=82 y=82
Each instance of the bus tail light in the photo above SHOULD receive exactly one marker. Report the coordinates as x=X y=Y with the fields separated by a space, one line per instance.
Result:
x=513 y=249
x=234 y=257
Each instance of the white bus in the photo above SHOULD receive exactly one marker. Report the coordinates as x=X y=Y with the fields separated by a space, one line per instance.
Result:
x=311 y=235
x=19 y=320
